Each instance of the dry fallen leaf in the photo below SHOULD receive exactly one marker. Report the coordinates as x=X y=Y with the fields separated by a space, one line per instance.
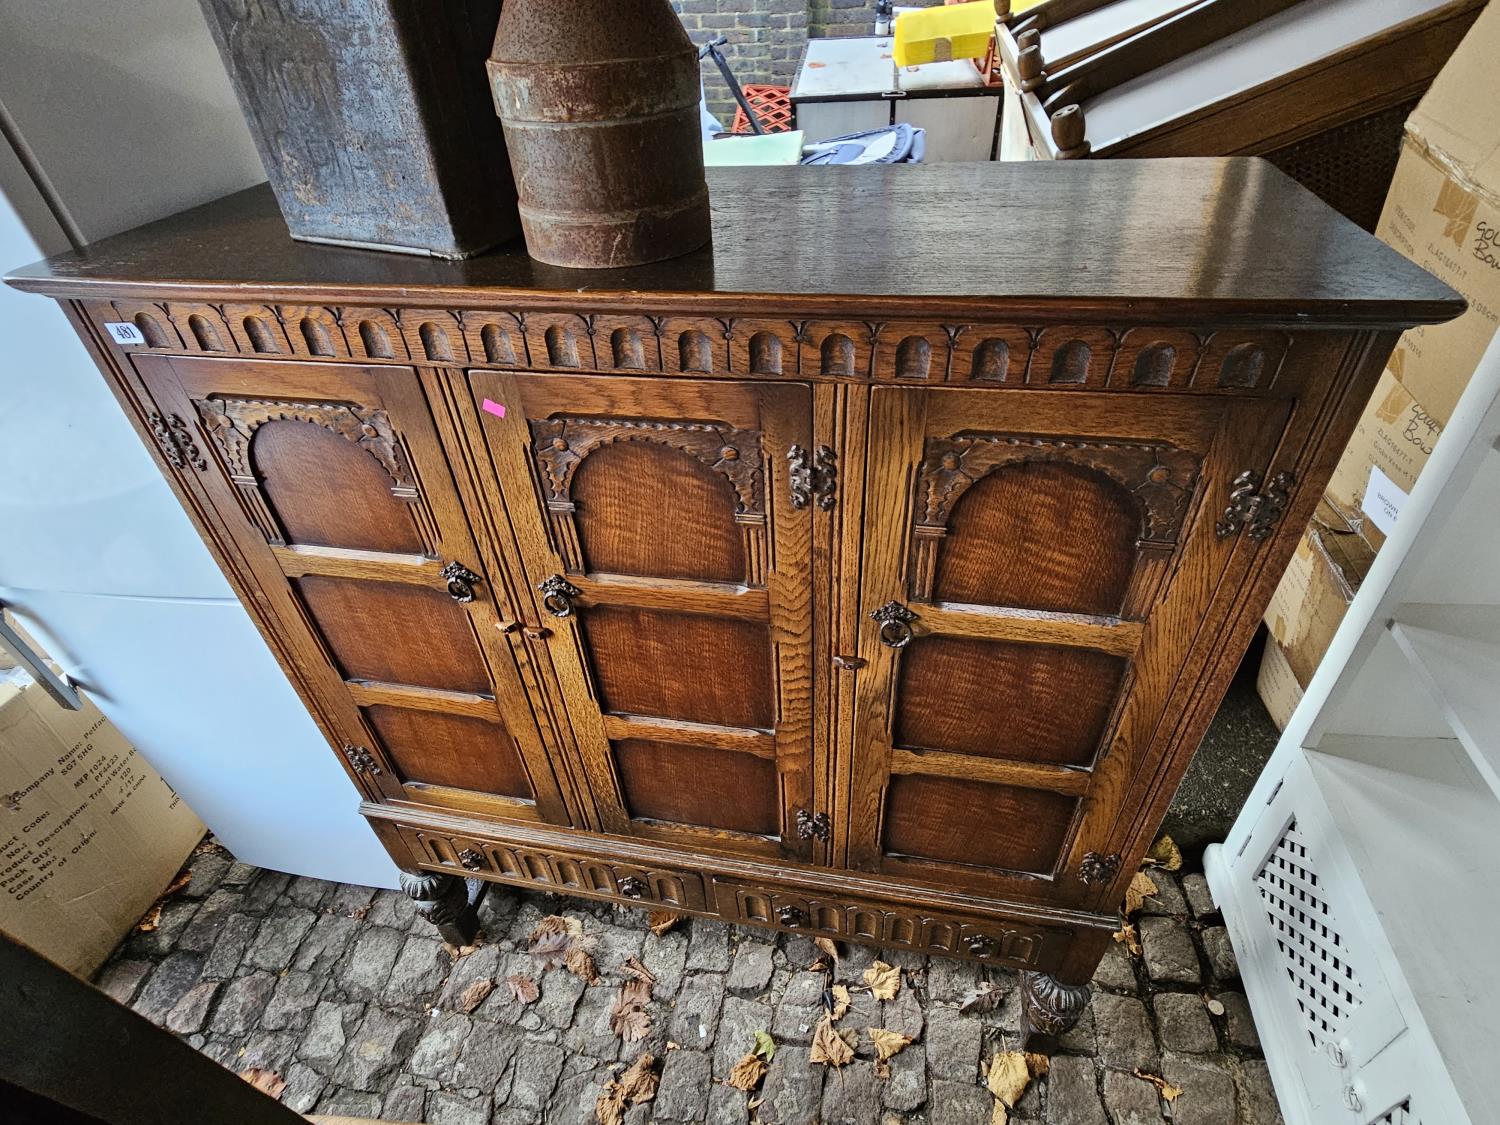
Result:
x=474 y=995
x=1163 y=1087
x=636 y=1085
x=1038 y=1065
x=887 y=1043
x=633 y=968
x=268 y=1082
x=884 y=980
x=827 y=946
x=1127 y=937
x=581 y=965
x=640 y=1079
x=630 y=1024
x=661 y=921
x=552 y=924
x=151 y=920
x=748 y=1072
x=985 y=998
x=1142 y=887
x=836 y=1001
x=1008 y=1077
x=1165 y=854
x=523 y=989
x=550 y=948
x=635 y=993
x=829 y=1047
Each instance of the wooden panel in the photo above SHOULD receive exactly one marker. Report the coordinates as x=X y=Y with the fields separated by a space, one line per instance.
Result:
x=1040 y=536
x=1034 y=703
x=699 y=786
x=682 y=666
x=434 y=646
x=624 y=491
x=326 y=491
x=967 y=822
x=452 y=750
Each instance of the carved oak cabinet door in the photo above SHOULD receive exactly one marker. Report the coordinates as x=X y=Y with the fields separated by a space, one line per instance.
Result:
x=667 y=535
x=330 y=482
x=1036 y=564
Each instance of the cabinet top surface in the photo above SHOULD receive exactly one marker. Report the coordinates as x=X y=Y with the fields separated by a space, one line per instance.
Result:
x=1219 y=239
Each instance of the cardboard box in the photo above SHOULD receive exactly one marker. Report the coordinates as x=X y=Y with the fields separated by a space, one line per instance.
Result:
x=1443 y=212
x=1314 y=594
x=1390 y=447
x=1278 y=687
x=90 y=834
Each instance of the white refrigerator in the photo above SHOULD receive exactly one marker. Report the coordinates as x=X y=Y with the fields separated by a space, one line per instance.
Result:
x=106 y=123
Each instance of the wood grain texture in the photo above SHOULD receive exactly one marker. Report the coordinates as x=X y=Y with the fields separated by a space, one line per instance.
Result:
x=1040 y=536
x=970 y=823
x=719 y=681
x=1169 y=224
x=699 y=786
x=1034 y=703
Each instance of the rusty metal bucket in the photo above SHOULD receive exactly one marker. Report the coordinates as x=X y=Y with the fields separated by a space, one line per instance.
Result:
x=600 y=108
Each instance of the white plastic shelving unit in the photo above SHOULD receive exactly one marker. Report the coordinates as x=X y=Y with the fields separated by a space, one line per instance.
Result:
x=1361 y=882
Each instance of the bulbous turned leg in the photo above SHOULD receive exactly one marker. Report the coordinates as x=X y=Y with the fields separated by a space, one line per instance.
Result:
x=1049 y=1009
x=446 y=901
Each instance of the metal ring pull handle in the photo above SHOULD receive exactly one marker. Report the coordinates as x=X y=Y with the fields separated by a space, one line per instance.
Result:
x=895 y=624
x=461 y=582
x=557 y=596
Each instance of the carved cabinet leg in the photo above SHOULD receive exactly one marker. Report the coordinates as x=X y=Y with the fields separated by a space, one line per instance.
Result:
x=1049 y=1009
x=448 y=902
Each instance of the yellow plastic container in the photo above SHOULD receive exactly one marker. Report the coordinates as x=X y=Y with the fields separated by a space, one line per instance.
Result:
x=953 y=31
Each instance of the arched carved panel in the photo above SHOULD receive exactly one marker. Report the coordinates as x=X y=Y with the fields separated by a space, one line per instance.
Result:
x=151 y=329
x=912 y=352
x=205 y=333
x=627 y=343
x=436 y=345
x=495 y=339
x=990 y=354
x=766 y=354
x=560 y=446
x=836 y=355
x=1158 y=478
x=231 y=424
x=1072 y=357
x=312 y=331
x=622 y=492
x=914 y=359
x=1152 y=358
x=375 y=341
x=839 y=351
x=260 y=335
x=323 y=490
x=1248 y=361
x=563 y=340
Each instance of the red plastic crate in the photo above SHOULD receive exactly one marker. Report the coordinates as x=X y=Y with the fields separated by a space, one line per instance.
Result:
x=772 y=106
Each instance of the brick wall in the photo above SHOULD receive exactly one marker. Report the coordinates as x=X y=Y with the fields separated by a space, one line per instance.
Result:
x=766 y=37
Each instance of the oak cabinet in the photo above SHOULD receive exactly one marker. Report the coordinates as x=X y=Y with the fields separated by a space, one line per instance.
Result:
x=878 y=595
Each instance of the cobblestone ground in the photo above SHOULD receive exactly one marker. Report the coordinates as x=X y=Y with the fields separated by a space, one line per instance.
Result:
x=352 y=999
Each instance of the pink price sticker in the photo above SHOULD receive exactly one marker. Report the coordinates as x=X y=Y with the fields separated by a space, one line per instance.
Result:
x=495 y=408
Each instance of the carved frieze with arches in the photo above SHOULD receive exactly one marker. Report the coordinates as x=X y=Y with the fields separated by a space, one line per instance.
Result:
x=1063 y=357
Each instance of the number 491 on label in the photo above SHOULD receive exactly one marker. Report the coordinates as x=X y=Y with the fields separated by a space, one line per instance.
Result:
x=125 y=334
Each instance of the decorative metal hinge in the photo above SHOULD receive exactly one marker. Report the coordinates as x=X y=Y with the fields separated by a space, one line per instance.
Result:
x=813 y=826
x=792 y=916
x=800 y=476
x=557 y=595
x=362 y=760
x=1255 y=512
x=461 y=582
x=826 y=478
x=1096 y=869
x=471 y=859
x=895 y=624
x=176 y=442
x=633 y=886
x=815 y=476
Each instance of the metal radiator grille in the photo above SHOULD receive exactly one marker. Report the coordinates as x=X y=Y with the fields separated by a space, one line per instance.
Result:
x=1312 y=948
